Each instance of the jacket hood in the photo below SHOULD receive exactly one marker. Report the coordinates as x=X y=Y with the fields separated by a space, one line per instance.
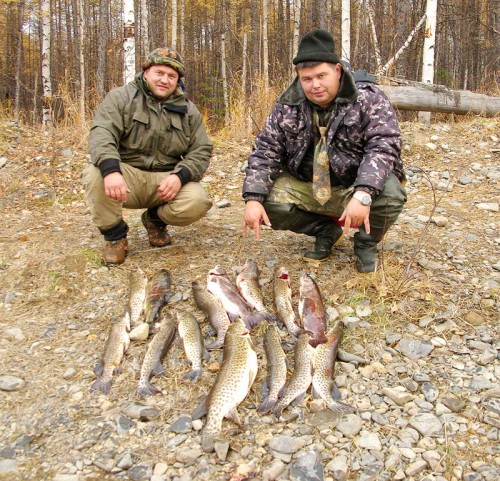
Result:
x=294 y=94
x=177 y=102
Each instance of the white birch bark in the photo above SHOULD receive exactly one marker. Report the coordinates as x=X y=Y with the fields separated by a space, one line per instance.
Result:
x=46 y=73
x=182 y=40
x=346 y=30
x=224 y=78
x=265 y=45
x=128 y=41
x=144 y=16
x=391 y=61
x=173 y=41
x=296 y=29
x=428 y=53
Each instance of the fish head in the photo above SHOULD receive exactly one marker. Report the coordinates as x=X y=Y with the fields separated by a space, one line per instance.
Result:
x=238 y=328
x=282 y=274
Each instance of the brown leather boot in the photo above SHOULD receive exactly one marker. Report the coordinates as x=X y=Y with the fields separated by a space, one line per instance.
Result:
x=114 y=252
x=157 y=234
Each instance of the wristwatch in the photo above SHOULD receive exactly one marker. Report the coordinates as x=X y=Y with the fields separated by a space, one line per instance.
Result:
x=363 y=197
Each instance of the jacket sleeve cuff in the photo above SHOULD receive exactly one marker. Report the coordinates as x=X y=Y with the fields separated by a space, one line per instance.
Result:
x=108 y=166
x=258 y=197
x=184 y=175
x=369 y=190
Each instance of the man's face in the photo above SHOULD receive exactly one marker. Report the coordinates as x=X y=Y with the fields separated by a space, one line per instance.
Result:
x=321 y=83
x=161 y=80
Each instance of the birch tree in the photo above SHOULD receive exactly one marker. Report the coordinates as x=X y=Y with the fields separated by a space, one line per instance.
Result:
x=102 y=40
x=128 y=41
x=144 y=30
x=173 y=41
x=224 y=78
x=46 y=73
x=296 y=28
x=346 y=30
x=428 y=54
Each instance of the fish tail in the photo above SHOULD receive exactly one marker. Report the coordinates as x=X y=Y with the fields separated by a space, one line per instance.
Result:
x=193 y=375
x=341 y=407
x=102 y=384
x=146 y=389
x=217 y=344
x=253 y=320
x=270 y=317
x=99 y=368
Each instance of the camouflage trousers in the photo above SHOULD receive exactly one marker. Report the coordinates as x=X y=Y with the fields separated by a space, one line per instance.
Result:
x=384 y=210
x=190 y=204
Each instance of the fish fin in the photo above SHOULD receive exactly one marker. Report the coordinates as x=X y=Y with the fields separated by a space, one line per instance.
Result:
x=217 y=344
x=298 y=399
x=99 y=368
x=315 y=393
x=147 y=389
x=103 y=385
x=158 y=370
x=278 y=409
x=201 y=410
x=270 y=317
x=206 y=355
x=266 y=405
x=233 y=416
x=253 y=320
x=265 y=388
x=193 y=375
x=341 y=407
x=336 y=394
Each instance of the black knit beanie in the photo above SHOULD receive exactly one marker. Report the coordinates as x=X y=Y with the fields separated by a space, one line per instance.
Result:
x=317 y=46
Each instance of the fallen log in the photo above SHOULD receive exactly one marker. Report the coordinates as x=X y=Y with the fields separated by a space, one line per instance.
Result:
x=418 y=96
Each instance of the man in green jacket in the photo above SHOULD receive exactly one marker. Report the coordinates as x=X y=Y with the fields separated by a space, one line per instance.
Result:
x=148 y=150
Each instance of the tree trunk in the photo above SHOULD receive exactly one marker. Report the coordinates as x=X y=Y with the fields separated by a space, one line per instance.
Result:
x=346 y=30
x=296 y=29
x=420 y=97
x=81 y=30
x=128 y=41
x=224 y=78
x=173 y=40
x=265 y=44
x=428 y=53
x=144 y=30
x=19 y=59
x=46 y=73
x=102 y=42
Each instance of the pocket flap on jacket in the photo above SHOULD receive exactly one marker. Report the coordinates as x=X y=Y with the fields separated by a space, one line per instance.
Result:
x=352 y=118
x=176 y=122
x=141 y=117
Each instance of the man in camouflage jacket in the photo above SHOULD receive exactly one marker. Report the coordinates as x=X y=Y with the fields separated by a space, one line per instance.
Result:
x=148 y=150
x=362 y=141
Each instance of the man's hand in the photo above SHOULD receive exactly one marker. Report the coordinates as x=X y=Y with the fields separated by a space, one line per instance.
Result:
x=169 y=187
x=356 y=214
x=254 y=216
x=115 y=187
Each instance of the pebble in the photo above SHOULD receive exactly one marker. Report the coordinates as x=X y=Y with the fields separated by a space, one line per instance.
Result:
x=414 y=349
x=11 y=383
x=350 y=425
x=307 y=467
x=140 y=411
x=286 y=444
x=489 y=206
x=140 y=332
x=426 y=424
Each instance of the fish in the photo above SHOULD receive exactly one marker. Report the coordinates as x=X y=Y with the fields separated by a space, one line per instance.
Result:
x=157 y=295
x=214 y=310
x=192 y=341
x=301 y=377
x=276 y=369
x=137 y=294
x=232 y=384
x=247 y=282
x=283 y=302
x=152 y=362
x=311 y=310
x=115 y=348
x=219 y=285
x=324 y=364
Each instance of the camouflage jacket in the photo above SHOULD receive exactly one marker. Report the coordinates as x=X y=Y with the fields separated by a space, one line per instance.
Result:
x=131 y=126
x=364 y=139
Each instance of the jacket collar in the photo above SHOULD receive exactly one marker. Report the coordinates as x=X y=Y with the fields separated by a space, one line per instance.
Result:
x=177 y=102
x=294 y=95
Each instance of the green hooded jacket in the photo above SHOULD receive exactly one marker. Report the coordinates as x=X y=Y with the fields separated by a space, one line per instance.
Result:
x=131 y=126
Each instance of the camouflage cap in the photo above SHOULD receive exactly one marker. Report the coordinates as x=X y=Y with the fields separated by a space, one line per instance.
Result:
x=166 y=56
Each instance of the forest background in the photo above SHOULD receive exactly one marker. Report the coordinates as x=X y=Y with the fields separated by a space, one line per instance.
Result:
x=238 y=53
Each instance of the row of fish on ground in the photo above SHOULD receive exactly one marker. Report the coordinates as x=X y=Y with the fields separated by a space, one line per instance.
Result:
x=233 y=310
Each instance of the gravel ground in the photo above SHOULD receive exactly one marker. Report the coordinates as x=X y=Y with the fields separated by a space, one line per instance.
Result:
x=424 y=329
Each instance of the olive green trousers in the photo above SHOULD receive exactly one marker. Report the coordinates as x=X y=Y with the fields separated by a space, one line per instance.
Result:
x=190 y=204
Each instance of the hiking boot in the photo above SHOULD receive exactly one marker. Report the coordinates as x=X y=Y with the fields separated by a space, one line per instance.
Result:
x=114 y=252
x=157 y=231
